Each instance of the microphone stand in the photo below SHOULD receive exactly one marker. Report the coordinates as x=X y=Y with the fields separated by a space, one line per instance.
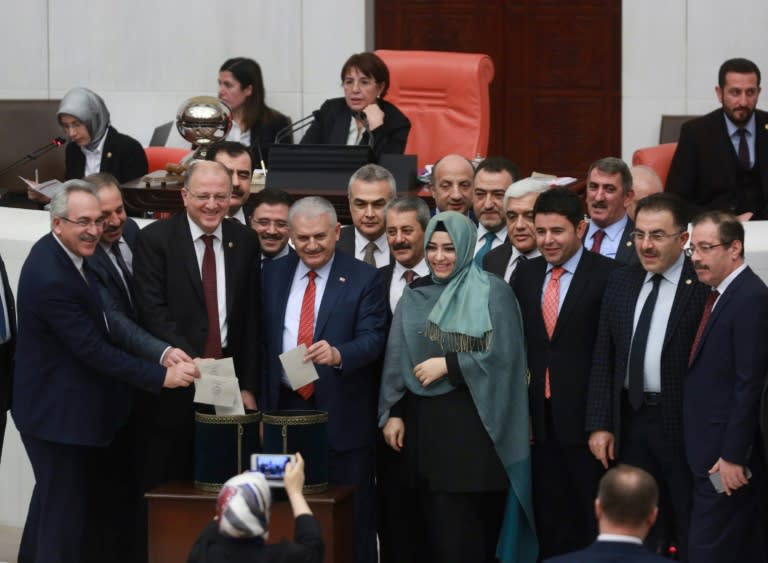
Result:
x=55 y=143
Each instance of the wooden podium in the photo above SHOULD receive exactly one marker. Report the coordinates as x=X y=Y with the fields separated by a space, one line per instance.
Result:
x=178 y=512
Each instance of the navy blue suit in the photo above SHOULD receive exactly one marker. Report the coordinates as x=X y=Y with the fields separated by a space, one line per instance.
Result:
x=70 y=399
x=610 y=552
x=721 y=420
x=351 y=317
x=652 y=436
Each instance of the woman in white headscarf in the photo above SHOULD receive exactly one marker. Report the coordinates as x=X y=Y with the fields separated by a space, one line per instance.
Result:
x=96 y=146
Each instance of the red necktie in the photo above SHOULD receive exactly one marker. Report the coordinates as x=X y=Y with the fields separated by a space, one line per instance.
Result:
x=549 y=311
x=708 y=304
x=597 y=240
x=210 y=290
x=307 y=327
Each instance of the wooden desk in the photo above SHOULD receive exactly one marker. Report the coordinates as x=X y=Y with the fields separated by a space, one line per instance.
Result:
x=178 y=512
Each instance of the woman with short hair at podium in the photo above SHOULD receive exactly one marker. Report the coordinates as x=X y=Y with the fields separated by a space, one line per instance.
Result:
x=362 y=116
x=254 y=123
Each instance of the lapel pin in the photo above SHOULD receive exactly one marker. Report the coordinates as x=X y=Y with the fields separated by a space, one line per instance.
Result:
x=231 y=244
x=688 y=281
x=766 y=126
x=109 y=155
x=629 y=243
x=342 y=279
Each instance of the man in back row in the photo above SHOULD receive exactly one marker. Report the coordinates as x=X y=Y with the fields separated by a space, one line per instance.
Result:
x=721 y=161
x=492 y=178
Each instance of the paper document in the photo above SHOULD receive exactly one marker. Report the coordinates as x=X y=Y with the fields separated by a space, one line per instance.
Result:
x=48 y=189
x=218 y=386
x=298 y=371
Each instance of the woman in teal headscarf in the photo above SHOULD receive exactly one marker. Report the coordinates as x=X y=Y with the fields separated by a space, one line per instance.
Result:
x=454 y=399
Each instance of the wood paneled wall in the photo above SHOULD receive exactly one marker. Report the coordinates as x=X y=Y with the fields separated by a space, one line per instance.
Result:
x=556 y=96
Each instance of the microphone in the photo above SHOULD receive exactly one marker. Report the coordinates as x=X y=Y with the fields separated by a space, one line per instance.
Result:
x=295 y=126
x=366 y=126
x=52 y=144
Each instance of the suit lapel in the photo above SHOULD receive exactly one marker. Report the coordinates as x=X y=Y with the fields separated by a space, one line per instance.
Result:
x=188 y=255
x=575 y=291
x=105 y=261
x=333 y=287
x=232 y=266
x=341 y=126
x=634 y=285
x=282 y=292
x=761 y=146
x=685 y=287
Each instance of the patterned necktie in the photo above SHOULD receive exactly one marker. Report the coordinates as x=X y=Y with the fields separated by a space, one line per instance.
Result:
x=549 y=307
x=210 y=290
x=597 y=240
x=708 y=305
x=408 y=276
x=114 y=248
x=368 y=256
x=743 y=150
x=639 y=343
x=489 y=236
x=307 y=327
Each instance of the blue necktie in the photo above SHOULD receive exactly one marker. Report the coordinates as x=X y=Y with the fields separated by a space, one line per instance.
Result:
x=489 y=236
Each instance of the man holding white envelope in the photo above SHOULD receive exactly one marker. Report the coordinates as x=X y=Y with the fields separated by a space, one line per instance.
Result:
x=335 y=307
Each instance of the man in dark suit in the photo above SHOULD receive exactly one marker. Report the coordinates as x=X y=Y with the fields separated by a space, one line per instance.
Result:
x=71 y=386
x=369 y=190
x=648 y=321
x=492 y=178
x=400 y=527
x=270 y=221
x=236 y=158
x=520 y=244
x=721 y=401
x=626 y=508
x=343 y=299
x=721 y=161
x=7 y=346
x=559 y=295
x=609 y=190
x=451 y=183
x=198 y=288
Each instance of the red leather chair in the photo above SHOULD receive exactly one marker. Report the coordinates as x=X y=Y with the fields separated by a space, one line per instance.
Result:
x=659 y=158
x=158 y=157
x=445 y=95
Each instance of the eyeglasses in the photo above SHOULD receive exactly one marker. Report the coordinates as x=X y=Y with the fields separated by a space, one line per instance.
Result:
x=266 y=223
x=655 y=236
x=84 y=223
x=702 y=248
x=202 y=198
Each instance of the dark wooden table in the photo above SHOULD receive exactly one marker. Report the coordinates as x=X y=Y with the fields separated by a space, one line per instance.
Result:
x=179 y=511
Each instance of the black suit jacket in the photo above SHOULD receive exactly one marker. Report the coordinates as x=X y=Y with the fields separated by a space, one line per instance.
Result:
x=626 y=253
x=122 y=156
x=705 y=166
x=331 y=127
x=171 y=304
x=614 y=336
x=610 y=552
x=6 y=350
x=725 y=380
x=263 y=137
x=108 y=275
x=497 y=259
x=569 y=354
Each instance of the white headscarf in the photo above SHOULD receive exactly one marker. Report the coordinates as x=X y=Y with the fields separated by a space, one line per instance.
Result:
x=242 y=508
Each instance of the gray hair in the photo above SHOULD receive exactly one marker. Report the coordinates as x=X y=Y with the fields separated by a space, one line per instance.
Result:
x=373 y=173
x=311 y=207
x=101 y=180
x=197 y=163
x=60 y=201
x=410 y=203
x=523 y=187
x=612 y=165
x=650 y=175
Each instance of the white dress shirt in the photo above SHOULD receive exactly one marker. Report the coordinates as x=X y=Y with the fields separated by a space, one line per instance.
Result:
x=398 y=281
x=93 y=158
x=380 y=254
x=514 y=261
